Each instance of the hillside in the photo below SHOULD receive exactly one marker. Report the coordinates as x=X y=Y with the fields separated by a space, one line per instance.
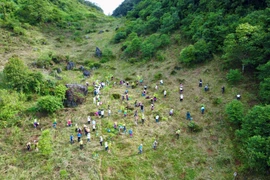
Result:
x=125 y=7
x=33 y=78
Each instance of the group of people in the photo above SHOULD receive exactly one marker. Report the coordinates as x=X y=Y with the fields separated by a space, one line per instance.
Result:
x=100 y=113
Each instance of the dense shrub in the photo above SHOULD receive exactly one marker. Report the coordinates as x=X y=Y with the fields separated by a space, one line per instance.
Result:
x=197 y=53
x=11 y=104
x=187 y=55
x=116 y=96
x=254 y=135
x=60 y=91
x=234 y=111
x=16 y=73
x=234 y=76
x=49 y=104
x=107 y=55
x=45 y=143
x=119 y=36
x=193 y=127
x=265 y=90
x=157 y=76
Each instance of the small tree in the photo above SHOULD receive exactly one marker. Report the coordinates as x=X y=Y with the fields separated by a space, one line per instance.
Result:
x=45 y=143
x=10 y=105
x=165 y=40
x=16 y=73
x=187 y=55
x=147 y=49
x=202 y=51
x=234 y=111
x=134 y=47
x=119 y=36
x=257 y=152
x=234 y=76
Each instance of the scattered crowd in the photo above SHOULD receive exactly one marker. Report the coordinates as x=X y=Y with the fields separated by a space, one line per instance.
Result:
x=122 y=127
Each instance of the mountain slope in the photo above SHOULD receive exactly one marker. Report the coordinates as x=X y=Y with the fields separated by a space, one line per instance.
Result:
x=208 y=147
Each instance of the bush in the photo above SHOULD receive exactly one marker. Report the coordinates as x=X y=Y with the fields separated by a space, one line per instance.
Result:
x=18 y=30
x=49 y=104
x=265 y=90
x=160 y=56
x=63 y=174
x=116 y=96
x=10 y=104
x=59 y=58
x=94 y=65
x=60 y=91
x=16 y=74
x=147 y=49
x=202 y=51
x=234 y=76
x=197 y=53
x=187 y=55
x=157 y=76
x=104 y=60
x=173 y=72
x=44 y=61
x=234 y=111
x=45 y=143
x=194 y=127
x=108 y=53
x=119 y=36
x=165 y=40
x=217 y=101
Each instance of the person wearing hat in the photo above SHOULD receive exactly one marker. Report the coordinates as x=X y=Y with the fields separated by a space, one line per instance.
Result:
x=155 y=145
x=177 y=133
x=143 y=118
x=100 y=140
x=36 y=123
x=106 y=146
x=81 y=144
x=28 y=146
x=54 y=123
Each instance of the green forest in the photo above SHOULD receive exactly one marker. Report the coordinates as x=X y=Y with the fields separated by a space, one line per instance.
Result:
x=51 y=47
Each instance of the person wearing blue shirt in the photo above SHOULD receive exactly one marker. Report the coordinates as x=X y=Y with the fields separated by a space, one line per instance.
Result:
x=71 y=139
x=79 y=136
x=130 y=133
x=188 y=116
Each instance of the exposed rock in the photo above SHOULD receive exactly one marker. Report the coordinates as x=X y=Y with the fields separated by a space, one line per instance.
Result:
x=86 y=73
x=100 y=32
x=75 y=94
x=70 y=65
x=59 y=70
x=98 y=52
x=81 y=68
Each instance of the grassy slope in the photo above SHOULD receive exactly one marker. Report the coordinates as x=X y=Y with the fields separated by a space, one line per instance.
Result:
x=204 y=155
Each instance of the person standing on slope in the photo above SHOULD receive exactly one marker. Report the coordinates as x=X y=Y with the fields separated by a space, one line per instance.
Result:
x=140 y=149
